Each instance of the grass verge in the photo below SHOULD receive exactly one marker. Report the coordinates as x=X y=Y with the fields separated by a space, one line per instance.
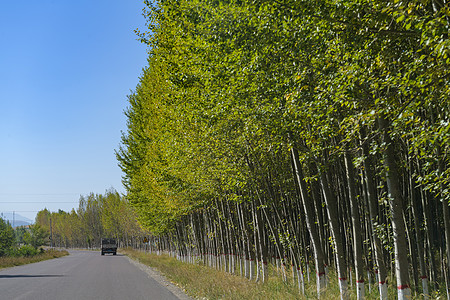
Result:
x=6 y=262
x=202 y=282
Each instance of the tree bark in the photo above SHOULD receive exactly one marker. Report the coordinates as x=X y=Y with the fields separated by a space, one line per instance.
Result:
x=310 y=222
x=396 y=207
x=446 y=217
x=333 y=216
x=371 y=192
x=418 y=234
x=357 y=241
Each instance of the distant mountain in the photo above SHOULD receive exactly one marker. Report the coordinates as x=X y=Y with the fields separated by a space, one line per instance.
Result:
x=15 y=219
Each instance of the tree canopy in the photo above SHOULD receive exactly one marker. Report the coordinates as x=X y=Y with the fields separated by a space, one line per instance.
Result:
x=269 y=106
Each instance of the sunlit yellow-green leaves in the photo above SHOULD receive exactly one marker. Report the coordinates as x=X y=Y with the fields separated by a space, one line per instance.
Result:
x=231 y=84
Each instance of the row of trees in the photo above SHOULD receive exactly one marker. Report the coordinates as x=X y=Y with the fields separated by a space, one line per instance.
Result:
x=299 y=131
x=97 y=216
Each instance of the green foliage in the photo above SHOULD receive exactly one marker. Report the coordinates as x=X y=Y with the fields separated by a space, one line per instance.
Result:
x=233 y=80
x=27 y=251
x=6 y=237
x=37 y=236
x=19 y=233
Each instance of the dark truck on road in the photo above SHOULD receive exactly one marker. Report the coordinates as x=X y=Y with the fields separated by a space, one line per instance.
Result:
x=109 y=246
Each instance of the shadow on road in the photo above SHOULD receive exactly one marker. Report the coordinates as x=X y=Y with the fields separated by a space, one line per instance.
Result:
x=28 y=276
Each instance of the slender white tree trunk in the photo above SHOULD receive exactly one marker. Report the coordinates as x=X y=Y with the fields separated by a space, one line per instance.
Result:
x=311 y=225
x=264 y=271
x=343 y=287
x=334 y=221
x=383 y=290
x=321 y=279
x=396 y=206
x=301 y=281
x=426 y=293
x=360 y=293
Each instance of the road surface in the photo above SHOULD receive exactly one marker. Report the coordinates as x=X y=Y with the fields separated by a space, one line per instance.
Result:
x=84 y=275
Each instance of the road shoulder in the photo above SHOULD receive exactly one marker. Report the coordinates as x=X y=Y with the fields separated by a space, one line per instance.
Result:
x=161 y=279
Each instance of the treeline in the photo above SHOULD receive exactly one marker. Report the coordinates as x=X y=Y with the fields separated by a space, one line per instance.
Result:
x=21 y=241
x=97 y=216
x=300 y=133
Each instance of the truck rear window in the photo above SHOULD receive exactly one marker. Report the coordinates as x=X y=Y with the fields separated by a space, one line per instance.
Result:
x=108 y=241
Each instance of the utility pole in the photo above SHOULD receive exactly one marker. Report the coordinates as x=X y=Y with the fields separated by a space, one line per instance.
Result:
x=14 y=217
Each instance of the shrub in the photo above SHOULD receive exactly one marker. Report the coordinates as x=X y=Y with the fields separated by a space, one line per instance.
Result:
x=12 y=252
x=27 y=251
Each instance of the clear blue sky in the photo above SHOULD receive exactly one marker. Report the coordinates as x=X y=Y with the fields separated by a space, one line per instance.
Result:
x=66 y=68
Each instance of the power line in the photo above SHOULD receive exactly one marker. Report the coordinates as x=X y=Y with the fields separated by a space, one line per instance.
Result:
x=22 y=211
x=38 y=194
x=38 y=202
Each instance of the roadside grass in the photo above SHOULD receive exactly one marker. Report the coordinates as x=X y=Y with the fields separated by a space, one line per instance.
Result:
x=202 y=282
x=6 y=261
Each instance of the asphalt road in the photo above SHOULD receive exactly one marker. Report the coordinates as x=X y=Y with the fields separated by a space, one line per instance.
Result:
x=85 y=275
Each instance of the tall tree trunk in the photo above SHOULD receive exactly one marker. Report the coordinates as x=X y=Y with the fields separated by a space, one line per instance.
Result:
x=428 y=232
x=446 y=217
x=372 y=199
x=263 y=246
x=333 y=216
x=357 y=241
x=396 y=207
x=310 y=222
x=418 y=233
